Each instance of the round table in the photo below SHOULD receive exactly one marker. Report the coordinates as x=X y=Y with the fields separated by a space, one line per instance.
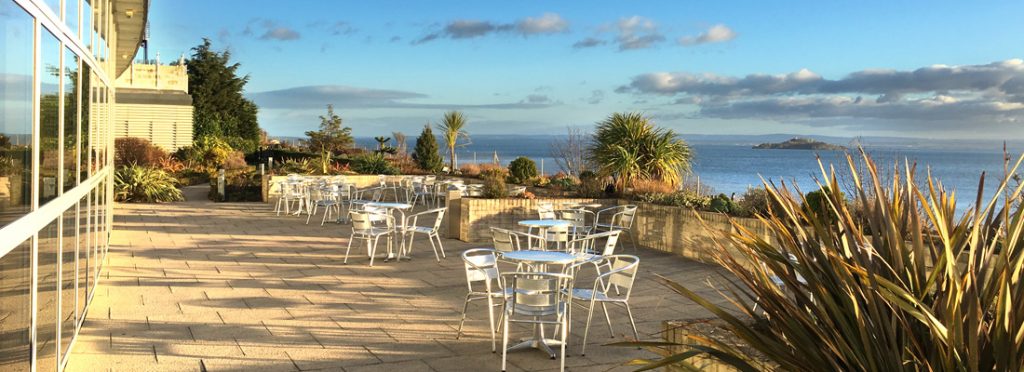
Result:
x=537 y=261
x=542 y=226
x=400 y=207
x=541 y=257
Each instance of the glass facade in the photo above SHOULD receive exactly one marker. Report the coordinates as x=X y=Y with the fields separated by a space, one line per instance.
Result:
x=56 y=109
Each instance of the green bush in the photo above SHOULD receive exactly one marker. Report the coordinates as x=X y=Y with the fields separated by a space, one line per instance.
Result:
x=816 y=201
x=521 y=170
x=723 y=204
x=564 y=182
x=494 y=183
x=755 y=202
x=139 y=184
x=373 y=164
x=678 y=199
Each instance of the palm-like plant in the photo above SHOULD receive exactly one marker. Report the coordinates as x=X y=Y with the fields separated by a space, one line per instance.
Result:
x=904 y=285
x=451 y=128
x=629 y=147
x=138 y=184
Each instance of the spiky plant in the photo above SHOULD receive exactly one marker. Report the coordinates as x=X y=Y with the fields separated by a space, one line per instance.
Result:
x=630 y=147
x=138 y=184
x=927 y=289
x=452 y=129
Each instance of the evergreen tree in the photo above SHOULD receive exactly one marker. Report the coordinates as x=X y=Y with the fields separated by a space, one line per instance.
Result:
x=426 y=152
x=332 y=136
x=220 y=109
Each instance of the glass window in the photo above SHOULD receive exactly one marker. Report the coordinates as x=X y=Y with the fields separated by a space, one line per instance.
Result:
x=87 y=24
x=86 y=114
x=71 y=79
x=71 y=15
x=48 y=264
x=16 y=284
x=83 y=255
x=69 y=242
x=16 y=41
x=49 y=117
x=54 y=6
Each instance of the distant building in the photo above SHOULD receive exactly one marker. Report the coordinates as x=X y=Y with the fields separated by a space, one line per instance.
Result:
x=153 y=103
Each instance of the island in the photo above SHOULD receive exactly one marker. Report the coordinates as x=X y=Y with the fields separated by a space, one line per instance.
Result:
x=801 y=144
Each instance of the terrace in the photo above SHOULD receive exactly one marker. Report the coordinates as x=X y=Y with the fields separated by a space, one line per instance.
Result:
x=232 y=286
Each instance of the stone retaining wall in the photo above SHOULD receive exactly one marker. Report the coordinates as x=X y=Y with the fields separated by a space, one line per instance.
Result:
x=477 y=216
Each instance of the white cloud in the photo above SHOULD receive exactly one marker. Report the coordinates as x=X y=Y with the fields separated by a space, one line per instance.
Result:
x=637 y=32
x=547 y=23
x=715 y=34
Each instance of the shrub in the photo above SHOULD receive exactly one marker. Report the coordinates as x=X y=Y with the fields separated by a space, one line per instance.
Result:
x=563 y=181
x=816 y=201
x=541 y=181
x=139 y=184
x=641 y=187
x=630 y=147
x=234 y=160
x=491 y=167
x=494 y=184
x=206 y=153
x=470 y=170
x=300 y=166
x=755 y=202
x=426 y=152
x=723 y=204
x=138 y=151
x=373 y=164
x=521 y=170
x=678 y=199
x=591 y=187
x=932 y=289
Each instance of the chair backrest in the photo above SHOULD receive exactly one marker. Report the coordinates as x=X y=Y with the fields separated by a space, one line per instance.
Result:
x=578 y=217
x=621 y=272
x=626 y=216
x=545 y=211
x=504 y=240
x=558 y=234
x=439 y=218
x=538 y=291
x=481 y=266
x=360 y=220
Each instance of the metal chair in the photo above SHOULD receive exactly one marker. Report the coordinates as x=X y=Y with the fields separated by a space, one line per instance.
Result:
x=431 y=231
x=482 y=268
x=326 y=197
x=612 y=285
x=621 y=219
x=588 y=247
x=364 y=229
x=578 y=218
x=504 y=240
x=537 y=299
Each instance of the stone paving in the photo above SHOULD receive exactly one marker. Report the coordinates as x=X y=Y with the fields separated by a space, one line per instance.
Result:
x=231 y=287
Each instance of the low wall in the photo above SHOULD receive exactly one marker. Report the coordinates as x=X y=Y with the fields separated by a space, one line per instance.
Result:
x=668 y=229
x=477 y=216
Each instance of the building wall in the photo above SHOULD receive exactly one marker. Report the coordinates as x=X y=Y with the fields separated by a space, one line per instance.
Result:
x=55 y=172
x=167 y=126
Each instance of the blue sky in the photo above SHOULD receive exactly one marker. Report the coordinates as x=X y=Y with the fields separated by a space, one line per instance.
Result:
x=924 y=69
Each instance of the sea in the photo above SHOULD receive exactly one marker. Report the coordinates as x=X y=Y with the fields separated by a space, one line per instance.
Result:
x=729 y=164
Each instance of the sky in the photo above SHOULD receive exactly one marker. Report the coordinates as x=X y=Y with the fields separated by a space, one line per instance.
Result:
x=926 y=69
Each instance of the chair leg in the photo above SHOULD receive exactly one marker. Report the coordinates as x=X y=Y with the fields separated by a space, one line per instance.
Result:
x=632 y=239
x=432 y=245
x=439 y=245
x=586 y=329
x=608 y=319
x=490 y=318
x=349 y=248
x=565 y=334
x=465 y=306
x=504 y=341
x=636 y=335
x=371 y=248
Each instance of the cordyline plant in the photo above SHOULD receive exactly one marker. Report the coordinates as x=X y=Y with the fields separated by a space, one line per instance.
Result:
x=906 y=283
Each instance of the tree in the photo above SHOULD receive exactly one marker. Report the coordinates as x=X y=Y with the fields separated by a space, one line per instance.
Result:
x=570 y=152
x=426 y=152
x=629 y=147
x=451 y=129
x=331 y=137
x=220 y=109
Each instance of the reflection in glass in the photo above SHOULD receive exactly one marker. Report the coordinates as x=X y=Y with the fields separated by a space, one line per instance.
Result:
x=48 y=264
x=69 y=233
x=87 y=24
x=71 y=15
x=54 y=6
x=15 y=112
x=70 y=120
x=16 y=305
x=49 y=117
x=83 y=253
x=86 y=111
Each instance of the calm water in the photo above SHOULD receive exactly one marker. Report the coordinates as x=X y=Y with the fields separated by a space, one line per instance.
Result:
x=733 y=167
